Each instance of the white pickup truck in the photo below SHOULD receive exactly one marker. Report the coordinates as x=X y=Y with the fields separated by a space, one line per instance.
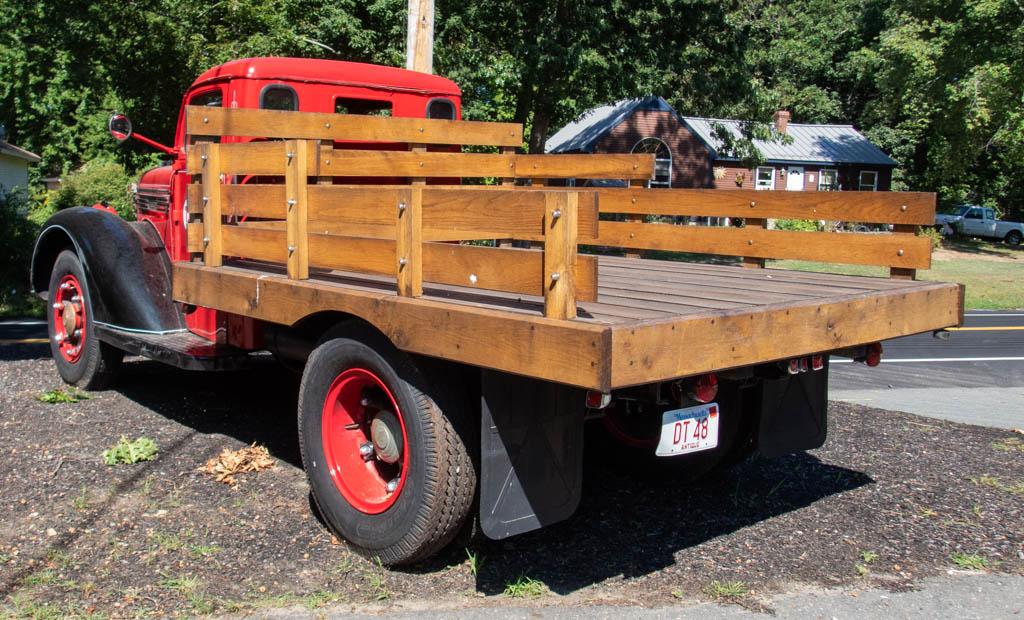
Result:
x=975 y=221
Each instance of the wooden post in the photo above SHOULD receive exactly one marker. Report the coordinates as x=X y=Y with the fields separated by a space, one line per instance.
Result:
x=323 y=157
x=409 y=243
x=419 y=40
x=902 y=273
x=753 y=262
x=297 y=215
x=560 y=230
x=635 y=217
x=509 y=181
x=212 y=248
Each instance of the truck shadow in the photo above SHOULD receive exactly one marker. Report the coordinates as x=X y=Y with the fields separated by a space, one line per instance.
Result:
x=625 y=526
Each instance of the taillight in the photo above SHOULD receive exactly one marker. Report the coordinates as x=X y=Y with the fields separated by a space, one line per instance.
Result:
x=704 y=388
x=598 y=400
x=817 y=362
x=873 y=354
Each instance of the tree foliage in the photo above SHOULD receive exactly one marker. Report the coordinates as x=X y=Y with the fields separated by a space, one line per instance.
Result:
x=936 y=84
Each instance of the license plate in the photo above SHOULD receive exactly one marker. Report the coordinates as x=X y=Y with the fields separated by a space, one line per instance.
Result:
x=688 y=430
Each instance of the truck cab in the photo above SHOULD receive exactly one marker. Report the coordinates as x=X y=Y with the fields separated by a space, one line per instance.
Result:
x=289 y=84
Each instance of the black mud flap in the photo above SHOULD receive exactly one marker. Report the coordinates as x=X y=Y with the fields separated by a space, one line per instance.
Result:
x=531 y=453
x=793 y=413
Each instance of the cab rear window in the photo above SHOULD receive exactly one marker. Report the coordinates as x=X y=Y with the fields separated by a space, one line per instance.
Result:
x=368 y=107
x=279 y=97
x=441 y=108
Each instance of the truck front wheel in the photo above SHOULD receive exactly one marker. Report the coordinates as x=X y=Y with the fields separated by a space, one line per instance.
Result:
x=387 y=467
x=82 y=360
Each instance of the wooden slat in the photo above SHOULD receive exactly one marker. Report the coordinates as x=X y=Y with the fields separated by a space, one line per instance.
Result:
x=451 y=213
x=752 y=262
x=209 y=155
x=870 y=207
x=570 y=352
x=202 y=121
x=595 y=166
x=295 y=199
x=409 y=243
x=352 y=163
x=498 y=269
x=257 y=158
x=729 y=339
x=889 y=249
x=560 y=255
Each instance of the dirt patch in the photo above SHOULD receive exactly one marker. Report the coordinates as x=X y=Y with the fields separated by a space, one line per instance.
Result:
x=973 y=250
x=890 y=499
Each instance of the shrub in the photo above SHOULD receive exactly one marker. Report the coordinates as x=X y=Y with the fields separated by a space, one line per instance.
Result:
x=96 y=181
x=805 y=225
x=931 y=233
x=17 y=235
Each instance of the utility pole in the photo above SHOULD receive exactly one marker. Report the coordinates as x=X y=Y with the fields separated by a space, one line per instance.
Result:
x=419 y=40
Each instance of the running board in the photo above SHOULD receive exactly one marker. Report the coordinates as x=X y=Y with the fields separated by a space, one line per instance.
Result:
x=181 y=349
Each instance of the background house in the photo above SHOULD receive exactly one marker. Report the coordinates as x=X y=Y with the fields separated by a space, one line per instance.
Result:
x=817 y=157
x=14 y=163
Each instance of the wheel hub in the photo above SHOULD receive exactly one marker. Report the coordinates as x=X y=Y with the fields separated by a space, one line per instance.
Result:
x=364 y=441
x=69 y=318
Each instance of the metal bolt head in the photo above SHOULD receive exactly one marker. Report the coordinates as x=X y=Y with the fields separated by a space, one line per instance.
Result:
x=59 y=338
x=752 y=204
x=366 y=450
x=557 y=213
x=903 y=207
x=555 y=277
x=402 y=261
x=203 y=157
x=57 y=305
x=291 y=249
x=899 y=252
x=392 y=485
x=327 y=125
x=401 y=207
x=750 y=242
x=206 y=241
x=291 y=202
x=206 y=119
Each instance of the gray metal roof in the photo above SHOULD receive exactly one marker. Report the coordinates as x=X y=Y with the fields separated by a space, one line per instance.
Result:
x=811 y=144
x=582 y=134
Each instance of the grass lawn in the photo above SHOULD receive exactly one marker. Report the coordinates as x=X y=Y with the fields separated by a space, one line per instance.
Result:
x=993 y=272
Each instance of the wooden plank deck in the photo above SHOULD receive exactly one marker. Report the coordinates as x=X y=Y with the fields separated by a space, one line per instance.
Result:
x=652 y=320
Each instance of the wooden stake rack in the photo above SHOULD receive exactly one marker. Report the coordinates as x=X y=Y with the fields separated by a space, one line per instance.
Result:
x=307 y=190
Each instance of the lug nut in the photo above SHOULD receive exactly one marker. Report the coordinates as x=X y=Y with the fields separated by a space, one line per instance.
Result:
x=366 y=450
x=392 y=485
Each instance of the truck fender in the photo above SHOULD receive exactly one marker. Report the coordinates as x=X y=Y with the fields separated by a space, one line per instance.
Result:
x=127 y=268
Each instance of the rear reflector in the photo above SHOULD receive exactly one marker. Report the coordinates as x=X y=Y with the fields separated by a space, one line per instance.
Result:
x=817 y=362
x=598 y=400
x=873 y=354
x=704 y=388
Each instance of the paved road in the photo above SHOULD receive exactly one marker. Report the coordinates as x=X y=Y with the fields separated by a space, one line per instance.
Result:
x=977 y=376
x=959 y=595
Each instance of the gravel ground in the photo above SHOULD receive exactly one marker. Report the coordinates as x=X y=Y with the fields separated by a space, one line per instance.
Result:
x=891 y=499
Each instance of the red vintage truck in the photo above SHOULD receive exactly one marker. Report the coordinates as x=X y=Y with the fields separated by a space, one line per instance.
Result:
x=326 y=212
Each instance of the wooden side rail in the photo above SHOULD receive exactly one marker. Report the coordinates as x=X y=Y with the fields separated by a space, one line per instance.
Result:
x=901 y=250
x=402 y=224
x=263 y=158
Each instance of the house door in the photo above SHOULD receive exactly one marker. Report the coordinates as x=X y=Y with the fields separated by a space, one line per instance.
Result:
x=795 y=179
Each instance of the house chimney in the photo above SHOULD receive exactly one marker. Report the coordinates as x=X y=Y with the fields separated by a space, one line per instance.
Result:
x=781 y=119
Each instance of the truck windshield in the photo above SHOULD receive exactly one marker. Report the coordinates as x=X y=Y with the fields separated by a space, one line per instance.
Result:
x=962 y=210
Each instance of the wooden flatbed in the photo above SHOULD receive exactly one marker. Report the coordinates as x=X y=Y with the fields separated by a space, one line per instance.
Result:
x=652 y=320
x=285 y=252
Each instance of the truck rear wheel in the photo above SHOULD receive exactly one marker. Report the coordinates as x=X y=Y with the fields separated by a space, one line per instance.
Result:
x=387 y=467
x=82 y=359
x=1014 y=237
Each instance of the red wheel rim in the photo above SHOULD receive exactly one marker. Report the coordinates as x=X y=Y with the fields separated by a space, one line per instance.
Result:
x=619 y=427
x=68 y=309
x=355 y=398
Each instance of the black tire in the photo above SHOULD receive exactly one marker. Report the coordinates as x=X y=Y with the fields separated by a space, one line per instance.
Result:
x=1014 y=237
x=440 y=483
x=99 y=363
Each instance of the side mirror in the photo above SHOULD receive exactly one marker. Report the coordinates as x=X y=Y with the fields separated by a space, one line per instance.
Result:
x=120 y=127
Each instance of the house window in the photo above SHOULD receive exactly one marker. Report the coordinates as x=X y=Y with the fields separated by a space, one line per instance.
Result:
x=368 y=107
x=828 y=180
x=868 y=181
x=279 y=97
x=441 y=108
x=662 y=161
x=765 y=178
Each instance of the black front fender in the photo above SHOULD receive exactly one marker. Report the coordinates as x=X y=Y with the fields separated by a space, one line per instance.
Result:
x=126 y=265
